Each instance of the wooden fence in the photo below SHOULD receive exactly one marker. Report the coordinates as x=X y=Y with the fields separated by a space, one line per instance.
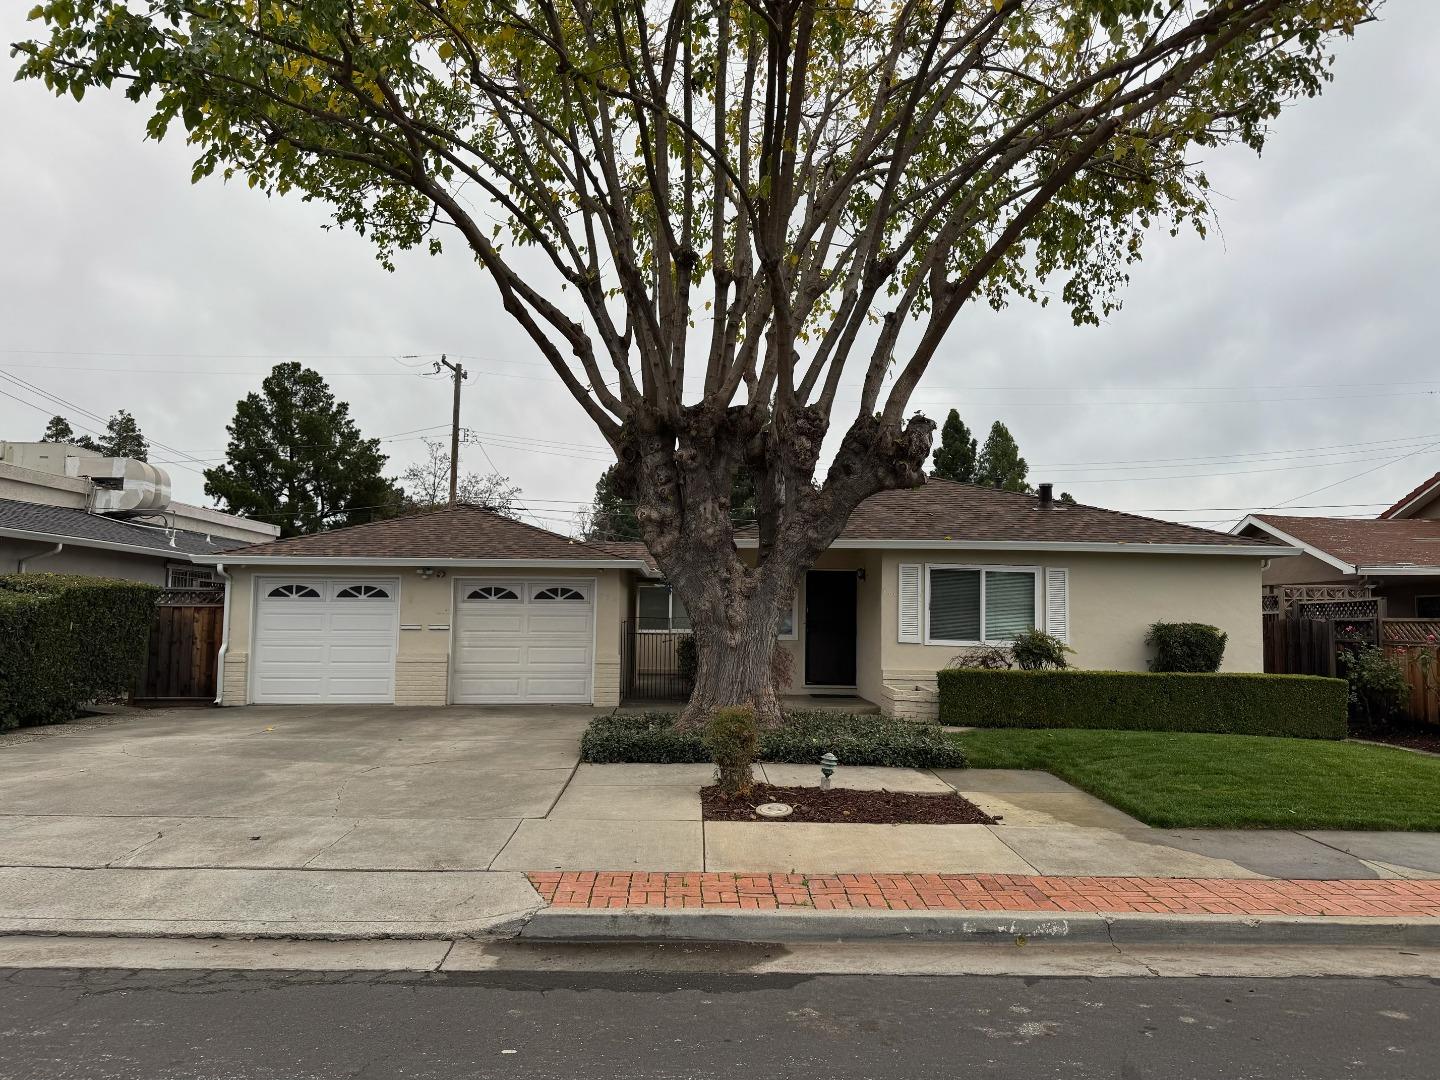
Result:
x=1295 y=645
x=1421 y=664
x=183 y=657
x=1299 y=646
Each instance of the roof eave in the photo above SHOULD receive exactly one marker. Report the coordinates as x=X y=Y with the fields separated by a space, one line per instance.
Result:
x=1397 y=511
x=102 y=545
x=1400 y=571
x=239 y=558
x=1262 y=551
x=1303 y=548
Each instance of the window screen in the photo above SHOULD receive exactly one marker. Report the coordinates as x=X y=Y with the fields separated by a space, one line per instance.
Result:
x=653 y=607
x=1009 y=604
x=955 y=605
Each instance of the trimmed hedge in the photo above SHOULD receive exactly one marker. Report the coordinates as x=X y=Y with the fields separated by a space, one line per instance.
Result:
x=651 y=738
x=1300 y=706
x=67 y=640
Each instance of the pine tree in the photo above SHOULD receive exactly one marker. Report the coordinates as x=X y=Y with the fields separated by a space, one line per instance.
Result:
x=296 y=459
x=1000 y=465
x=123 y=438
x=58 y=430
x=610 y=517
x=955 y=457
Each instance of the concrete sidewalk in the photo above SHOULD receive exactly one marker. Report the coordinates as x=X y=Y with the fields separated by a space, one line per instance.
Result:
x=351 y=824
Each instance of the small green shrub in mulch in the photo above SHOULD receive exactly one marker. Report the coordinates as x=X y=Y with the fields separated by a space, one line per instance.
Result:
x=651 y=738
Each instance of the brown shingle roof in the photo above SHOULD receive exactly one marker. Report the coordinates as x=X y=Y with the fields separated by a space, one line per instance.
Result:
x=1420 y=490
x=1366 y=541
x=944 y=510
x=629 y=549
x=464 y=532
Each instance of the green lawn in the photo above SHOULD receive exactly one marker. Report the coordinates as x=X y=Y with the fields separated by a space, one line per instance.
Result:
x=1177 y=780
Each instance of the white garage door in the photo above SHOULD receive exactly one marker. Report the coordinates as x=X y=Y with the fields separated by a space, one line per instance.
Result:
x=524 y=641
x=325 y=640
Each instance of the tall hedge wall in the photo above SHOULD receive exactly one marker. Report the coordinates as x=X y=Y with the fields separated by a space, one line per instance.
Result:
x=67 y=640
x=1302 y=706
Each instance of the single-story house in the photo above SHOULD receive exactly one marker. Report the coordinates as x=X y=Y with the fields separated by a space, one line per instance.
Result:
x=63 y=509
x=1395 y=557
x=467 y=606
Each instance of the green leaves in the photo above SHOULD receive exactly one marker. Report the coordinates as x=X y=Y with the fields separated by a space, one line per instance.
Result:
x=297 y=459
x=941 y=152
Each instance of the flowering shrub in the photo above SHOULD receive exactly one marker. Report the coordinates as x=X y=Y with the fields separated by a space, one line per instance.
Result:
x=1377 y=683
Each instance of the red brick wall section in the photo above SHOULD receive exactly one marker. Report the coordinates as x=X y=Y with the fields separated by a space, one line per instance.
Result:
x=992 y=892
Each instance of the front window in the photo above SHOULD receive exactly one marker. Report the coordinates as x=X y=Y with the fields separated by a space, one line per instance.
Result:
x=980 y=605
x=657 y=608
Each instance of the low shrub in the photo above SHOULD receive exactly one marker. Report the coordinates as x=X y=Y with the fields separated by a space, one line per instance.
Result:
x=68 y=640
x=1186 y=646
x=984 y=658
x=1301 y=706
x=733 y=739
x=854 y=739
x=1035 y=650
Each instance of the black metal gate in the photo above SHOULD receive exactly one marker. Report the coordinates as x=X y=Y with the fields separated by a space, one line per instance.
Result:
x=652 y=665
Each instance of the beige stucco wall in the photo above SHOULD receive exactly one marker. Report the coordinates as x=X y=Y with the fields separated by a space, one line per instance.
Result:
x=1302 y=570
x=77 y=560
x=422 y=660
x=1113 y=601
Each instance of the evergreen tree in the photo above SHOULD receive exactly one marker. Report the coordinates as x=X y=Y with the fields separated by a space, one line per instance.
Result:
x=610 y=517
x=955 y=457
x=58 y=430
x=123 y=438
x=296 y=459
x=1066 y=498
x=1000 y=464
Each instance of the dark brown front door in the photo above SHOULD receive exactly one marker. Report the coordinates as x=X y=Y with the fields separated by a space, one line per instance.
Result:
x=830 y=628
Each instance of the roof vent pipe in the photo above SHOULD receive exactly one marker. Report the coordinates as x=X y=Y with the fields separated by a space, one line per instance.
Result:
x=1047 y=496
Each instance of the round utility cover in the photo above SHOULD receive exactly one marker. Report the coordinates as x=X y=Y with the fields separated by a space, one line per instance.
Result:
x=774 y=809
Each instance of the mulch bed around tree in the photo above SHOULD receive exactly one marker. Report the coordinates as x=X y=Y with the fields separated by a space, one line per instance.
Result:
x=845 y=805
x=1415 y=738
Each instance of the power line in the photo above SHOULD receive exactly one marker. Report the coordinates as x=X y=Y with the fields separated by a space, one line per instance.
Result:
x=1366 y=472
x=66 y=403
x=1220 y=459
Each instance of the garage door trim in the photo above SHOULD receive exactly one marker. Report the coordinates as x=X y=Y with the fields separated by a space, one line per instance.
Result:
x=526 y=582
x=333 y=582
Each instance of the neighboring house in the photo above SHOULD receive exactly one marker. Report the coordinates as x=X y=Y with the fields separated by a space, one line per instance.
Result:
x=469 y=607
x=1395 y=557
x=65 y=510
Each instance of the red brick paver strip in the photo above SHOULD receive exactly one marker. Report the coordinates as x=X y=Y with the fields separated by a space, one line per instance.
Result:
x=1381 y=898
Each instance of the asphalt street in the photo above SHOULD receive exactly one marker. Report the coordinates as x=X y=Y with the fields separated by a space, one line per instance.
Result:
x=231 y=1025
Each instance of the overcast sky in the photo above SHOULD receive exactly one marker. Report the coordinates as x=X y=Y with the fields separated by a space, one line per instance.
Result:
x=1269 y=365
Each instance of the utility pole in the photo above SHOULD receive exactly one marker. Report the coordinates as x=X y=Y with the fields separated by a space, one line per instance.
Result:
x=457 y=376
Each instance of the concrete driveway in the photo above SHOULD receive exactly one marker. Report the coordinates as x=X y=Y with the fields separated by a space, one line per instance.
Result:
x=341 y=788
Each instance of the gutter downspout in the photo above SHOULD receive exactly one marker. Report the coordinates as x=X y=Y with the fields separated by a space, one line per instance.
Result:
x=224 y=636
x=21 y=564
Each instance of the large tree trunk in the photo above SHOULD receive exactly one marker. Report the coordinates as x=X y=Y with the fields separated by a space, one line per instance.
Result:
x=681 y=481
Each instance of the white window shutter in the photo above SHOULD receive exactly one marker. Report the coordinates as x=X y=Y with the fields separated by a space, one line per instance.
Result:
x=910 y=605
x=1057 y=603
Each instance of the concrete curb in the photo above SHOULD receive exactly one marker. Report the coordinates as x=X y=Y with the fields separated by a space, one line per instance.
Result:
x=773 y=927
